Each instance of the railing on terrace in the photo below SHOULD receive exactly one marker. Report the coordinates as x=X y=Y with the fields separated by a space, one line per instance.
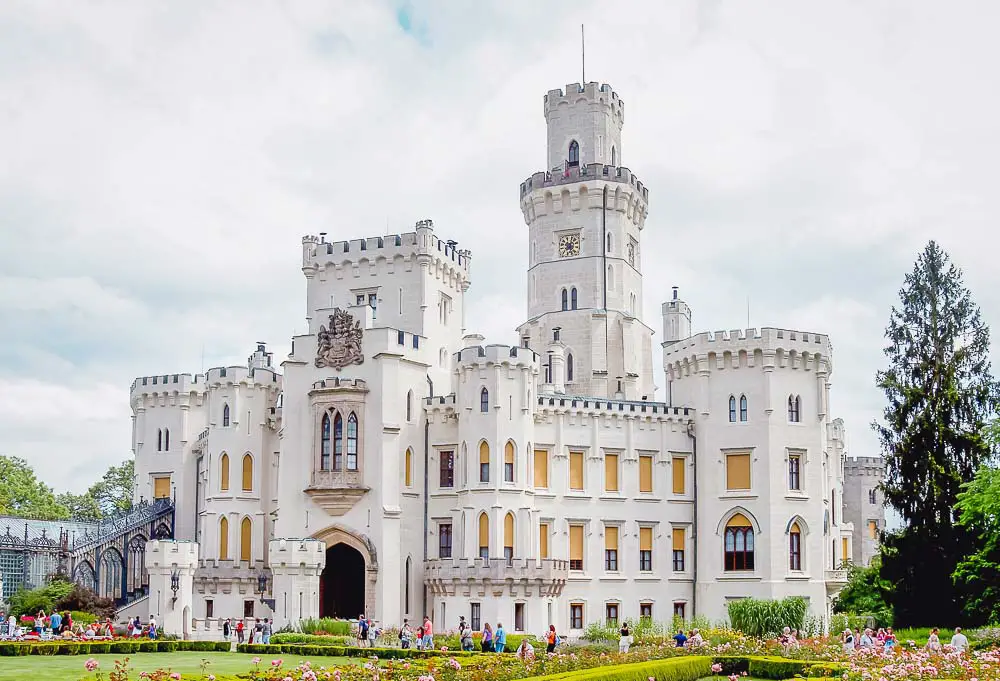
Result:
x=140 y=514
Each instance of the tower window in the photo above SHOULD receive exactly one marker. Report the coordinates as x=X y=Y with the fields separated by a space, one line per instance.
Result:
x=484 y=400
x=324 y=453
x=574 y=153
x=743 y=408
x=569 y=367
x=225 y=416
x=732 y=409
x=352 y=442
x=794 y=408
x=572 y=298
x=565 y=300
x=739 y=544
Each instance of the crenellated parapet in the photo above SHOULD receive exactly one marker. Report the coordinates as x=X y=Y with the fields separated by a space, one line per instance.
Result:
x=582 y=188
x=550 y=406
x=302 y=556
x=771 y=348
x=493 y=355
x=592 y=94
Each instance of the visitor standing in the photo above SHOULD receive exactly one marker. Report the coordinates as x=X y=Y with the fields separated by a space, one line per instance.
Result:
x=499 y=639
x=959 y=641
x=624 y=638
x=266 y=630
x=362 y=631
x=487 y=643
x=152 y=628
x=420 y=637
x=867 y=642
x=465 y=635
x=550 y=639
x=934 y=641
x=239 y=632
x=227 y=629
x=680 y=638
x=405 y=634
x=55 y=621
x=847 y=639
x=428 y=634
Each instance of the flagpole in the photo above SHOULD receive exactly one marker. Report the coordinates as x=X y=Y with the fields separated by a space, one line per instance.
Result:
x=583 y=58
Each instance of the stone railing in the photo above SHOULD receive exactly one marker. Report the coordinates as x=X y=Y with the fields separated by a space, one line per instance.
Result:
x=835 y=577
x=547 y=574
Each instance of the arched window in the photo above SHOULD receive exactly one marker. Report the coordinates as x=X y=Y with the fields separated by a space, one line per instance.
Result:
x=739 y=544
x=484 y=536
x=224 y=538
x=732 y=409
x=508 y=537
x=166 y=439
x=159 y=440
x=569 y=367
x=409 y=405
x=352 y=442
x=631 y=304
x=565 y=300
x=614 y=156
x=609 y=243
x=794 y=408
x=508 y=462
x=338 y=443
x=406 y=597
x=795 y=548
x=324 y=448
x=574 y=153
x=408 y=467
x=224 y=472
x=484 y=461
x=247 y=473
x=484 y=400
x=572 y=298
x=225 y=415
x=246 y=539
x=743 y=408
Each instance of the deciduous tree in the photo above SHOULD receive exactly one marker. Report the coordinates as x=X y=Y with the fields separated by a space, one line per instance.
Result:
x=23 y=494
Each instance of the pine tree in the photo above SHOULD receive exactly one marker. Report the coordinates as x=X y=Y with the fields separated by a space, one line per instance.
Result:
x=940 y=394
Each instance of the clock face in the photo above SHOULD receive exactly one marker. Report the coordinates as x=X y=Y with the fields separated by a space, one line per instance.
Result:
x=569 y=245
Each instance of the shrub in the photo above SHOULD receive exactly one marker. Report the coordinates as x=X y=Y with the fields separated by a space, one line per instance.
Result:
x=766 y=618
x=148 y=646
x=124 y=647
x=166 y=646
x=689 y=668
x=43 y=598
x=326 y=625
x=322 y=640
x=99 y=648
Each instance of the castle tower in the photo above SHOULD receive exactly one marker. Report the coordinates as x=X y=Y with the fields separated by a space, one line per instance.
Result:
x=296 y=565
x=676 y=320
x=585 y=217
x=171 y=566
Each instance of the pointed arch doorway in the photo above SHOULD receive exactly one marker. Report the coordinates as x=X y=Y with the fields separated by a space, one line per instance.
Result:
x=347 y=584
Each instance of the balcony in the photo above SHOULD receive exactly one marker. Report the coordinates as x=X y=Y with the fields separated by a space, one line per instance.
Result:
x=477 y=576
x=835 y=580
x=336 y=492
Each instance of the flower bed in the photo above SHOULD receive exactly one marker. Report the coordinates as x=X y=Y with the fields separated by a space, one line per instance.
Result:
x=918 y=664
x=121 y=647
x=330 y=650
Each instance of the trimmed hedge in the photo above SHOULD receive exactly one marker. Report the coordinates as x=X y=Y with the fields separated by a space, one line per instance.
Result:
x=344 y=651
x=686 y=668
x=121 y=647
x=313 y=639
x=777 y=668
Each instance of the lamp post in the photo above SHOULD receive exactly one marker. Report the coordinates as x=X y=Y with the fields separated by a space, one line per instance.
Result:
x=261 y=585
x=175 y=584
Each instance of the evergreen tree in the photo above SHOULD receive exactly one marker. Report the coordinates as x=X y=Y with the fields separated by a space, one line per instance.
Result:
x=940 y=394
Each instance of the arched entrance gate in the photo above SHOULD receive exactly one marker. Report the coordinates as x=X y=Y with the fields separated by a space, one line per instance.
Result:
x=347 y=583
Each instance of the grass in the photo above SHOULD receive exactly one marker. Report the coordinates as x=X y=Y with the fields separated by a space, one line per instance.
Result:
x=70 y=667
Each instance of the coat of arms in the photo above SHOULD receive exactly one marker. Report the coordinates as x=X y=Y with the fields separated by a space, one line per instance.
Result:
x=339 y=343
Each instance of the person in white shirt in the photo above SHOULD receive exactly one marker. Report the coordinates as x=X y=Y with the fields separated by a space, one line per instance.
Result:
x=959 y=642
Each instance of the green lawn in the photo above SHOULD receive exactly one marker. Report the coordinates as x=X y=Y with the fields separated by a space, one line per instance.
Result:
x=70 y=667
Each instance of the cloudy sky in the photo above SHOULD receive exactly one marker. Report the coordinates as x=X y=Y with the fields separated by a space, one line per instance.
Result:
x=159 y=162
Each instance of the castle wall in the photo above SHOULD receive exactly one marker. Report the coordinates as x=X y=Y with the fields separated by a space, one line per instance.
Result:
x=864 y=504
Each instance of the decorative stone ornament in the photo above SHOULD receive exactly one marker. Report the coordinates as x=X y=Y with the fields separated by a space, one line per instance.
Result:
x=339 y=344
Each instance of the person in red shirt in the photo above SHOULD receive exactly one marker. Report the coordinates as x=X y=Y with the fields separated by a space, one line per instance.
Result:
x=428 y=634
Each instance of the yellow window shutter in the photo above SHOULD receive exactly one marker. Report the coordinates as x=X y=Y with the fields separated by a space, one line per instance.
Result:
x=872 y=529
x=508 y=453
x=246 y=536
x=678 y=471
x=224 y=539
x=611 y=472
x=645 y=538
x=576 y=470
x=611 y=538
x=645 y=473
x=739 y=520
x=224 y=472
x=161 y=487
x=794 y=529
x=508 y=531
x=678 y=538
x=576 y=542
x=737 y=471
x=247 y=473
x=484 y=452
x=484 y=531
x=543 y=540
x=845 y=554
x=541 y=469
x=408 y=468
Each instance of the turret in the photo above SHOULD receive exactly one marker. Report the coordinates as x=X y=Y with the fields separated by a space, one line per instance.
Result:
x=584 y=125
x=676 y=320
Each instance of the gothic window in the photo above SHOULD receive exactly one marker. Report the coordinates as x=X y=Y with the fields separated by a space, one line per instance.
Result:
x=631 y=304
x=743 y=408
x=225 y=416
x=484 y=536
x=732 y=409
x=406 y=598
x=739 y=546
x=224 y=539
x=631 y=254
x=338 y=443
x=565 y=300
x=795 y=548
x=166 y=439
x=352 y=442
x=224 y=472
x=247 y=473
x=408 y=468
x=572 y=298
x=409 y=405
x=794 y=408
x=324 y=452
x=484 y=462
x=609 y=243
x=484 y=400
x=569 y=367
x=872 y=499
x=508 y=462
x=159 y=440
x=574 y=153
x=508 y=537
x=246 y=539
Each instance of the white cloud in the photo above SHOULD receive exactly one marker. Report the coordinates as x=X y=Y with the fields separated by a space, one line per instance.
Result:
x=161 y=163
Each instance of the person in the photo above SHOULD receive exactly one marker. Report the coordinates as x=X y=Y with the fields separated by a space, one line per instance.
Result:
x=374 y=631
x=266 y=630
x=499 y=639
x=847 y=638
x=420 y=637
x=680 y=638
x=880 y=637
x=550 y=639
x=428 y=634
x=227 y=629
x=239 y=631
x=867 y=642
x=695 y=640
x=959 y=641
x=152 y=628
x=362 y=631
x=465 y=635
x=934 y=641
x=525 y=652
x=487 y=643
x=55 y=621
x=624 y=638
x=405 y=635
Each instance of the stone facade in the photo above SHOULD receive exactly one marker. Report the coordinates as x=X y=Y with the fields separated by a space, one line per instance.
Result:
x=864 y=505
x=401 y=466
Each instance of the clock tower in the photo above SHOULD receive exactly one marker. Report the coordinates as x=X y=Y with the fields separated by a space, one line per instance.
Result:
x=585 y=215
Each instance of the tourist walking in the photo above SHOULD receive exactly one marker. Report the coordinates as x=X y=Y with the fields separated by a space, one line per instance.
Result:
x=624 y=638
x=227 y=629
x=487 y=643
x=680 y=638
x=239 y=631
x=266 y=631
x=362 y=631
x=428 y=634
x=405 y=635
x=499 y=639
x=550 y=639
x=465 y=635
x=959 y=641
x=152 y=628
x=934 y=641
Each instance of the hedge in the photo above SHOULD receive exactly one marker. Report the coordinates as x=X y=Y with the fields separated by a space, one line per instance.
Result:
x=122 y=647
x=687 y=668
x=314 y=639
x=777 y=668
x=320 y=650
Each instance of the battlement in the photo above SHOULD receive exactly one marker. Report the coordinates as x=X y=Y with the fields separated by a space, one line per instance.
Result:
x=865 y=465
x=296 y=552
x=592 y=93
x=183 y=384
x=171 y=553
x=595 y=173
x=750 y=339
x=337 y=382
x=317 y=252
x=598 y=406
x=497 y=354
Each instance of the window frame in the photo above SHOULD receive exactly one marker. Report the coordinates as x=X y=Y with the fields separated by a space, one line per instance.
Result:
x=576 y=615
x=744 y=408
x=736 y=559
x=795 y=472
x=446 y=473
x=445 y=530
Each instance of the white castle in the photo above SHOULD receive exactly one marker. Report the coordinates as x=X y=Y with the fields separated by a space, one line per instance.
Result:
x=398 y=466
